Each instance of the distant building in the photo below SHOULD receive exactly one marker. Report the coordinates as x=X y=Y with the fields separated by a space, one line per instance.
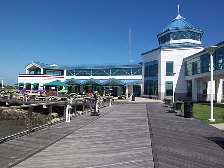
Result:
x=108 y=79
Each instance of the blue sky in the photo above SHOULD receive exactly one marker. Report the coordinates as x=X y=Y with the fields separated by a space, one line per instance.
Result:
x=73 y=32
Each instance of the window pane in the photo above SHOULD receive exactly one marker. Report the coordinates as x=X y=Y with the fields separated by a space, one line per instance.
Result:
x=169 y=68
x=169 y=88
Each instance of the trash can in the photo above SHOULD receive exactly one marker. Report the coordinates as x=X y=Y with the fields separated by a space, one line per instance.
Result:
x=133 y=98
x=188 y=108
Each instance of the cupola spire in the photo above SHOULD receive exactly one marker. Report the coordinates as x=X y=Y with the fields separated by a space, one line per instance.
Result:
x=178 y=9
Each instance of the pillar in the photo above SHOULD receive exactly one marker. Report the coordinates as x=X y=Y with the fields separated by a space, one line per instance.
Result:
x=126 y=92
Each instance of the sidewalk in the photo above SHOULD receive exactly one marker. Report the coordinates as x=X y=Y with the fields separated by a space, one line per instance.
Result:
x=219 y=126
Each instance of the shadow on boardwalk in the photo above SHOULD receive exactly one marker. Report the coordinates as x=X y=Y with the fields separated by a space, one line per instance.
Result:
x=184 y=142
x=128 y=135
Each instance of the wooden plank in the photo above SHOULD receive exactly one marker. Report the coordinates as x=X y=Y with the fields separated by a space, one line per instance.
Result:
x=119 y=139
x=33 y=143
x=182 y=142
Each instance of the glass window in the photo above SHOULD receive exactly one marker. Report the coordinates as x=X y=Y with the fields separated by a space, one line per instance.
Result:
x=151 y=69
x=165 y=38
x=101 y=72
x=169 y=68
x=83 y=72
x=205 y=63
x=194 y=68
x=219 y=58
x=137 y=71
x=151 y=87
x=169 y=88
x=120 y=72
x=53 y=72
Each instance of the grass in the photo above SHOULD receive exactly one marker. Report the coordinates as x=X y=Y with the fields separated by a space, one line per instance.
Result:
x=201 y=111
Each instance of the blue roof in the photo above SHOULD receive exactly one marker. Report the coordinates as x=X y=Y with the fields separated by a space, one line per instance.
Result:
x=92 y=66
x=180 y=23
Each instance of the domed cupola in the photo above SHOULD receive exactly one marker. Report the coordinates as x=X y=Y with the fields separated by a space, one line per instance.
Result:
x=180 y=32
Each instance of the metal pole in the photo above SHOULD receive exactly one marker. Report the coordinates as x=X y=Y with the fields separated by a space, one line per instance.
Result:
x=2 y=83
x=211 y=87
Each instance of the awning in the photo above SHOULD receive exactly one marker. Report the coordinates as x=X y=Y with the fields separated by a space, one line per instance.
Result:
x=56 y=83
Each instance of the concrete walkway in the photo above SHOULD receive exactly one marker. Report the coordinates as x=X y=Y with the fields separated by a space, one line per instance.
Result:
x=219 y=126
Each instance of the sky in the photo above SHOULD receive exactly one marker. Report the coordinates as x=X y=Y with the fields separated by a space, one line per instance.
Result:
x=74 y=32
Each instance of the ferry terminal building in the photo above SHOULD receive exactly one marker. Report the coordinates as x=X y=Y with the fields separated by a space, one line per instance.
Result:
x=115 y=80
x=180 y=65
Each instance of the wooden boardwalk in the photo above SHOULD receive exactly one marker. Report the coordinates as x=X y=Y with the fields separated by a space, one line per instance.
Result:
x=184 y=142
x=124 y=135
x=119 y=137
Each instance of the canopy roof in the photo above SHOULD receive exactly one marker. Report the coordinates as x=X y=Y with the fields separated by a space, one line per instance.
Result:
x=56 y=83
x=180 y=23
x=84 y=66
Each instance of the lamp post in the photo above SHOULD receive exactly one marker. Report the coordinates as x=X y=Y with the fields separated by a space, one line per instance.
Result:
x=211 y=50
x=173 y=87
x=2 y=83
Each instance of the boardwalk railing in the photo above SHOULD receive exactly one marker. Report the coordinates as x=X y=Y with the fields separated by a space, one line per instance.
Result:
x=76 y=108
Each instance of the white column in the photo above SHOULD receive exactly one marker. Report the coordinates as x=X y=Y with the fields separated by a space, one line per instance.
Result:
x=218 y=90
x=142 y=91
x=126 y=92
x=130 y=89
x=211 y=89
x=42 y=70
x=194 y=90
x=65 y=71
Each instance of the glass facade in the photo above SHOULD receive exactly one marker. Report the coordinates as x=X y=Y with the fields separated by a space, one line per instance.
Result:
x=35 y=71
x=105 y=72
x=151 y=78
x=169 y=68
x=55 y=72
x=169 y=88
x=180 y=35
x=201 y=63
